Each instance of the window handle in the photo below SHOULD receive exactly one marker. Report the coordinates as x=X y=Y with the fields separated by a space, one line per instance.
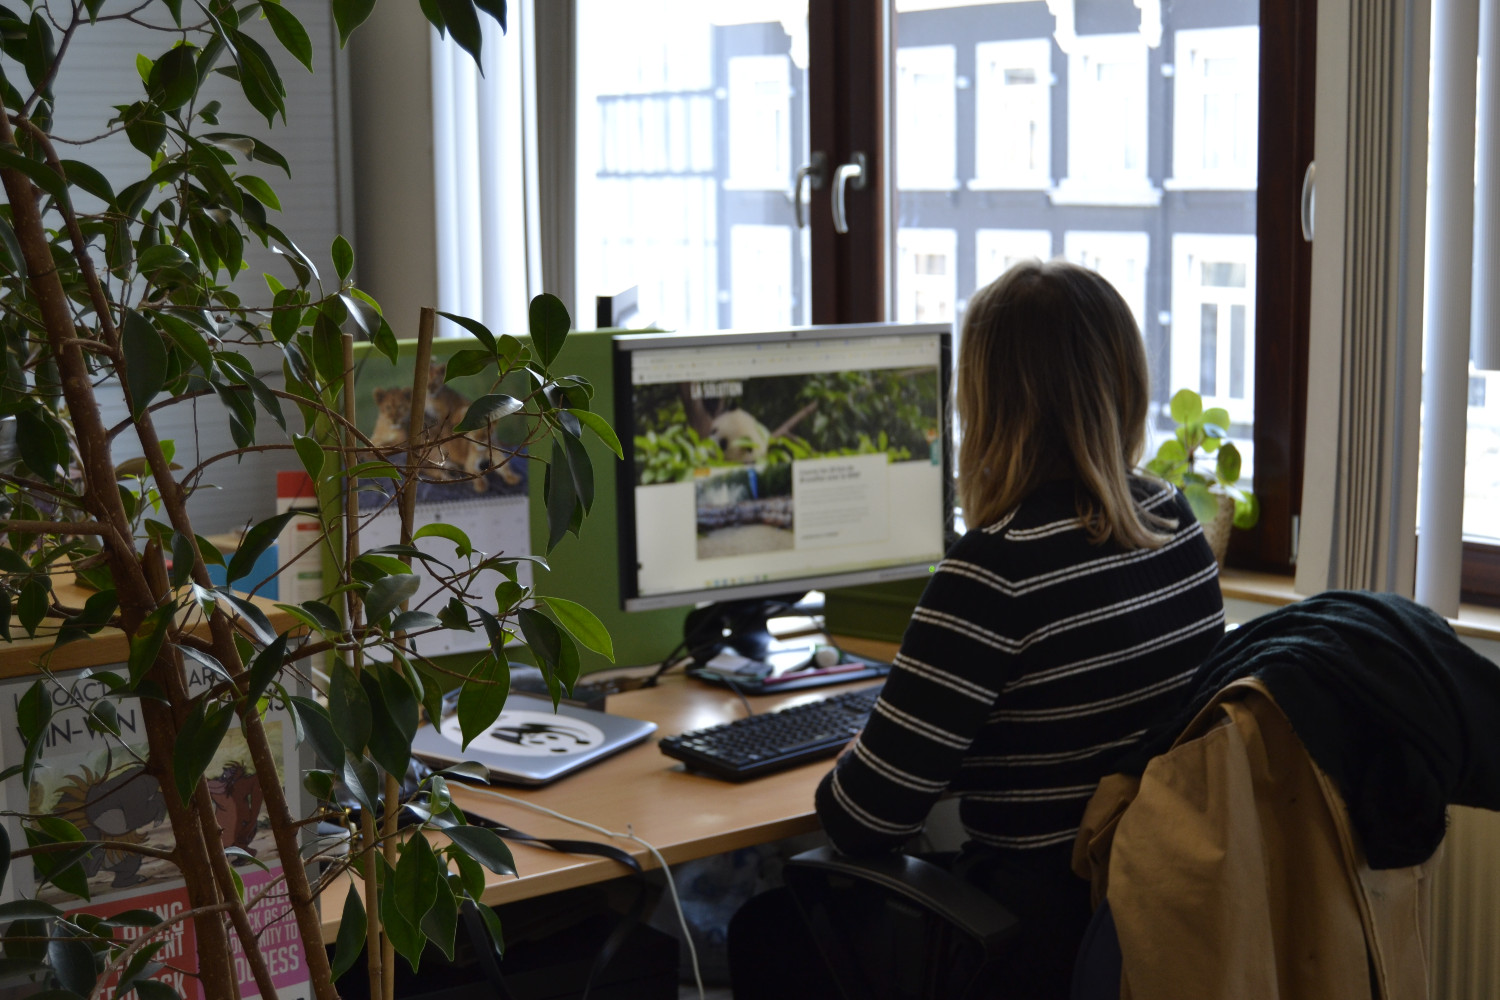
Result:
x=853 y=174
x=1309 y=197
x=816 y=173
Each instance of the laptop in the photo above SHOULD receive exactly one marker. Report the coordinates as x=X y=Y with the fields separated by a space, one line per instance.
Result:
x=530 y=744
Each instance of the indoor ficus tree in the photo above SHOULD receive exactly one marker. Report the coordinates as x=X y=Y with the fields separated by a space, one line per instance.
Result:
x=133 y=286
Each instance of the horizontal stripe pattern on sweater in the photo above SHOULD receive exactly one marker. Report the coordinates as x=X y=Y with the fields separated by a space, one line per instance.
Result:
x=1034 y=659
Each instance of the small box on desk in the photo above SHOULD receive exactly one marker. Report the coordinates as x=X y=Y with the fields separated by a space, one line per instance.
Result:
x=877 y=611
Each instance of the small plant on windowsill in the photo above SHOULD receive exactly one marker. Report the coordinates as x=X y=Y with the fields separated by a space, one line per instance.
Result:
x=1200 y=460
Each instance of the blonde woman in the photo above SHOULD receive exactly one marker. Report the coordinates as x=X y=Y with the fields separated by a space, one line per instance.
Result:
x=1067 y=621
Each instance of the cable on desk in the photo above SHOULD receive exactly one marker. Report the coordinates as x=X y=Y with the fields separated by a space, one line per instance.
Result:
x=629 y=834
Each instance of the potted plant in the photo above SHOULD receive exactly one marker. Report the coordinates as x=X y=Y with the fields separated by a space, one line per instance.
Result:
x=1200 y=460
x=105 y=282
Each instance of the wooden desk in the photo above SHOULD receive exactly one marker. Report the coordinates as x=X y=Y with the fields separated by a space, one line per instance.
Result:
x=682 y=814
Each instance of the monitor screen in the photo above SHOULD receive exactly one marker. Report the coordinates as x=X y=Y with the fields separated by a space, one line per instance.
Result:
x=760 y=464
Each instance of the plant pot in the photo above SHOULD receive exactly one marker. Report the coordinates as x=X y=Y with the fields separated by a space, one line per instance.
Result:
x=1217 y=531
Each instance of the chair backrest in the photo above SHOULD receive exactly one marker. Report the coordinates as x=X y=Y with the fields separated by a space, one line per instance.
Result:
x=899 y=926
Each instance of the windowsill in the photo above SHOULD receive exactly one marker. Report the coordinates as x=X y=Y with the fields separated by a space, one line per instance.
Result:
x=1209 y=184
x=999 y=184
x=920 y=186
x=1474 y=620
x=1140 y=194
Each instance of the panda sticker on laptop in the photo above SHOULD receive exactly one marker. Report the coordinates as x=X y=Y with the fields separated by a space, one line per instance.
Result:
x=530 y=734
x=531 y=743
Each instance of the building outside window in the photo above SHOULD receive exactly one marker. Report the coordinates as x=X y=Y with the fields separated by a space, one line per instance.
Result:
x=926 y=154
x=998 y=250
x=1013 y=114
x=760 y=276
x=1213 y=320
x=927 y=275
x=760 y=122
x=1107 y=123
x=1216 y=97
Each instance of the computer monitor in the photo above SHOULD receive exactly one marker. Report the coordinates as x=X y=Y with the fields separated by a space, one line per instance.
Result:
x=765 y=465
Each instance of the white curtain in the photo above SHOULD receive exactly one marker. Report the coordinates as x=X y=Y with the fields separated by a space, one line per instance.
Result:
x=484 y=162
x=1359 y=487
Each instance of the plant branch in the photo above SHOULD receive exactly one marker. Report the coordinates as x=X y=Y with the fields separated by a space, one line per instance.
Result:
x=56 y=527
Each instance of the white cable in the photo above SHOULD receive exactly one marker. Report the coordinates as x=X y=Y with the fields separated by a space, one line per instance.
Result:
x=629 y=834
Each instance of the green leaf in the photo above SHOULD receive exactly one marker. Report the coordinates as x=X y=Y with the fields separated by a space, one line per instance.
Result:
x=72 y=962
x=600 y=427
x=34 y=711
x=254 y=544
x=463 y=24
x=317 y=727
x=259 y=190
x=484 y=846
x=161 y=256
x=343 y=257
x=1186 y=405
x=264 y=668
x=387 y=593
x=12 y=248
x=453 y=534
x=361 y=778
x=289 y=32
x=1217 y=417
x=465 y=363
x=390 y=710
x=311 y=454
x=1205 y=505
x=26 y=909
x=37 y=443
x=174 y=78
x=85 y=177
x=483 y=697
x=189 y=338
x=488 y=408
x=39 y=55
x=4 y=855
x=541 y=635
x=197 y=742
x=582 y=624
x=1227 y=469
x=146 y=129
x=145 y=644
x=1246 y=510
x=252 y=615
x=441 y=922
x=494 y=8
x=562 y=500
x=145 y=360
x=350 y=14
x=349 y=708
x=549 y=326
x=478 y=329
x=581 y=469
x=351 y=939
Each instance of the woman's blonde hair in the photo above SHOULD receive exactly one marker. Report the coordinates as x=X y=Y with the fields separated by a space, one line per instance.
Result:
x=1052 y=384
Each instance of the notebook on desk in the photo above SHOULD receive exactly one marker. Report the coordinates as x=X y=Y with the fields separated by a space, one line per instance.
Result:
x=530 y=744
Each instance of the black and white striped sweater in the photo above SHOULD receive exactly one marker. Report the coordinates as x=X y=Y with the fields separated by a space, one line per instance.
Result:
x=1031 y=662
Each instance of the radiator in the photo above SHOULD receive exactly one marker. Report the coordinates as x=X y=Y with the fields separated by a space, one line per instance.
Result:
x=1466 y=909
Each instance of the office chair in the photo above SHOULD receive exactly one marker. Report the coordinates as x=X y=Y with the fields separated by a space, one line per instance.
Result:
x=899 y=926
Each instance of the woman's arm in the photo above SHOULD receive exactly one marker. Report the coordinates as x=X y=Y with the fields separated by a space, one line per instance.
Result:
x=940 y=692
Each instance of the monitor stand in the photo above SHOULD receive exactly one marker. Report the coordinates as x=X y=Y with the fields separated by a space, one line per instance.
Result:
x=743 y=627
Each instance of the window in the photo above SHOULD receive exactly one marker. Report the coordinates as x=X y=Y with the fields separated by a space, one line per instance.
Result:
x=1217 y=107
x=1121 y=258
x=760 y=265
x=927 y=268
x=760 y=122
x=926 y=155
x=997 y=250
x=1482 y=465
x=1013 y=114
x=1107 y=123
x=1213 y=320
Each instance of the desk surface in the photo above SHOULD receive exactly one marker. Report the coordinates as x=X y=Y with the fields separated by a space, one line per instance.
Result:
x=682 y=814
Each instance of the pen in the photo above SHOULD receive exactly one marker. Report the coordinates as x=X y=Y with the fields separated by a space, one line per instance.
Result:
x=840 y=668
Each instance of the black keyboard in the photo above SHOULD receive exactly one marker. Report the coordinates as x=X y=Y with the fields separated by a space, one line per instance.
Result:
x=774 y=741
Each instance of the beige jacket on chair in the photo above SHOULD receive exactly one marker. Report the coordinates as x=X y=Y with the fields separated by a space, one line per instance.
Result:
x=1233 y=872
